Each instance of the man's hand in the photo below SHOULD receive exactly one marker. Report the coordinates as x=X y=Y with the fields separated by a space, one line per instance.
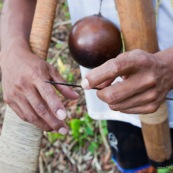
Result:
x=24 y=89
x=146 y=81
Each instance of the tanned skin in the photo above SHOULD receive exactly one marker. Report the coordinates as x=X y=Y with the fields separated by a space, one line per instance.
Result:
x=147 y=78
x=23 y=73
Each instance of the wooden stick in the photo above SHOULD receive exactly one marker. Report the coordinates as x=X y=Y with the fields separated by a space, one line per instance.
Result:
x=20 y=141
x=138 y=25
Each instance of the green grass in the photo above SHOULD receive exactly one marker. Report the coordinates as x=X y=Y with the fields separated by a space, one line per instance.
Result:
x=165 y=170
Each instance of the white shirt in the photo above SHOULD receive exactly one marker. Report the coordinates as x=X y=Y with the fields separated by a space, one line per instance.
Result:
x=81 y=8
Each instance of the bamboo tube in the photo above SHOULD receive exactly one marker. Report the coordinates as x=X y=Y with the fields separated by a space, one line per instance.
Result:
x=138 y=26
x=20 y=141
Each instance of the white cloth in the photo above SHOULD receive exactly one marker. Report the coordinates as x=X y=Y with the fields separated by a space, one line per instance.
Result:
x=81 y=8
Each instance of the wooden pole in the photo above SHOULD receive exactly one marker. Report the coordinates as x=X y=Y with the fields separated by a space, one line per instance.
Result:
x=20 y=141
x=138 y=26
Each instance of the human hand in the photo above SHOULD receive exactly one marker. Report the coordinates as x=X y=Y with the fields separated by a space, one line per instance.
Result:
x=146 y=81
x=24 y=90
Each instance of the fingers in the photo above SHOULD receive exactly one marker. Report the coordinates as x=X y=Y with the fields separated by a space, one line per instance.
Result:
x=151 y=95
x=52 y=114
x=64 y=90
x=26 y=113
x=144 y=109
x=120 y=91
x=32 y=99
x=48 y=94
x=110 y=70
x=31 y=115
x=17 y=110
x=105 y=84
x=46 y=103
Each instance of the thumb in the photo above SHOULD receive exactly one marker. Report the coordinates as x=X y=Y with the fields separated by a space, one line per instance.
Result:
x=120 y=66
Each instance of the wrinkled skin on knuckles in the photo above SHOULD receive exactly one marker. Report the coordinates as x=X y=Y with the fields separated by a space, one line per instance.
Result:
x=25 y=91
x=146 y=81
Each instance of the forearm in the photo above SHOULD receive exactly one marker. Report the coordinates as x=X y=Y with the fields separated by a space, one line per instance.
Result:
x=16 y=21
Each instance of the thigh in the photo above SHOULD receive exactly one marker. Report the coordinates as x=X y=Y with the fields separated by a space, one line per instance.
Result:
x=127 y=145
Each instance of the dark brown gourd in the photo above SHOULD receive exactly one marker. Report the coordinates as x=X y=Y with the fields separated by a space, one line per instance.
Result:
x=93 y=40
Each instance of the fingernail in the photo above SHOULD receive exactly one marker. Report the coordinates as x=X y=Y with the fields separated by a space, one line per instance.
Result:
x=63 y=131
x=76 y=94
x=85 y=84
x=61 y=114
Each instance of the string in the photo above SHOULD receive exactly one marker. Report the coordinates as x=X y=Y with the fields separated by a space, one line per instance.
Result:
x=100 y=7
